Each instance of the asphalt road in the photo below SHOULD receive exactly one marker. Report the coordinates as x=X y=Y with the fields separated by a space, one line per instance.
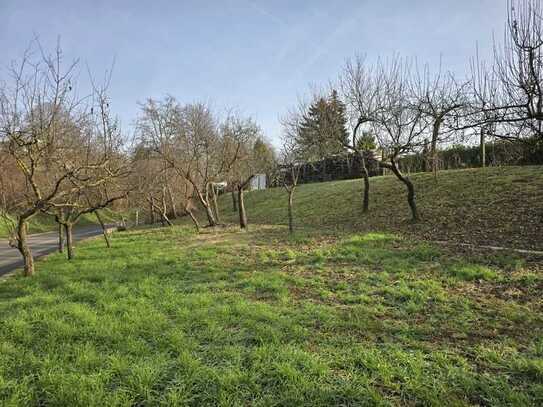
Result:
x=41 y=244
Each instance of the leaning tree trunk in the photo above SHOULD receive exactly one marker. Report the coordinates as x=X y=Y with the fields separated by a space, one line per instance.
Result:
x=24 y=249
x=209 y=211
x=104 y=229
x=241 y=206
x=290 y=212
x=210 y=217
x=234 y=201
x=68 y=227
x=410 y=189
x=164 y=210
x=194 y=220
x=166 y=220
x=188 y=206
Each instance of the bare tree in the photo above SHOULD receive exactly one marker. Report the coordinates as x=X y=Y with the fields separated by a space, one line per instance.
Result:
x=360 y=91
x=188 y=205
x=41 y=122
x=158 y=186
x=380 y=98
x=289 y=169
x=187 y=138
x=440 y=98
x=200 y=128
x=68 y=215
x=507 y=95
x=243 y=164
x=397 y=123
x=293 y=156
x=95 y=144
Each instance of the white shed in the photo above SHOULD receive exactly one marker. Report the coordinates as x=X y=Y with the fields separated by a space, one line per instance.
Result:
x=258 y=182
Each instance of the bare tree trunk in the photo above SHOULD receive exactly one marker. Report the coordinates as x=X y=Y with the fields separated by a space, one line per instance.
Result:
x=188 y=209
x=60 y=238
x=210 y=217
x=483 y=148
x=172 y=202
x=194 y=220
x=290 y=212
x=365 y=177
x=383 y=167
x=209 y=212
x=433 y=145
x=68 y=227
x=104 y=229
x=408 y=184
x=241 y=203
x=241 y=206
x=234 y=201
x=137 y=218
x=24 y=249
x=166 y=220
x=59 y=217
x=160 y=210
x=151 y=210
x=215 y=204
x=164 y=209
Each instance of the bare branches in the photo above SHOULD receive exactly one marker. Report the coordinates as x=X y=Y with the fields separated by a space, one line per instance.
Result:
x=186 y=139
x=508 y=93
x=50 y=135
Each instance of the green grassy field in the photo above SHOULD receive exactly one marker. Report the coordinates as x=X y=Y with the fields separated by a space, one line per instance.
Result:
x=228 y=318
x=493 y=206
x=352 y=310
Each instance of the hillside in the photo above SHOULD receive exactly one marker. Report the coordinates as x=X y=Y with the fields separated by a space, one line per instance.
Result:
x=330 y=316
x=493 y=206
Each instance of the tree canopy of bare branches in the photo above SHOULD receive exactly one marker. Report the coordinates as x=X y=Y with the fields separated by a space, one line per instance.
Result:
x=507 y=94
x=49 y=133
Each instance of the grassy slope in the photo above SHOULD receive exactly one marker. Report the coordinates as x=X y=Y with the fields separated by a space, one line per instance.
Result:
x=232 y=318
x=501 y=206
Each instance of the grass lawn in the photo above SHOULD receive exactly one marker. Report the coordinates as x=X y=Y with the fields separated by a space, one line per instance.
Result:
x=494 y=206
x=166 y=317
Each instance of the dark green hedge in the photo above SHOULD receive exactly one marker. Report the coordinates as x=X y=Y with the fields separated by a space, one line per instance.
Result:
x=526 y=152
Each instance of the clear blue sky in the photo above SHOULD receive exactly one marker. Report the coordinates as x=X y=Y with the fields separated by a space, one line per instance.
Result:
x=257 y=56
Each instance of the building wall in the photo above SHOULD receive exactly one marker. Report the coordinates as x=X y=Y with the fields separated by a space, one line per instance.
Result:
x=259 y=182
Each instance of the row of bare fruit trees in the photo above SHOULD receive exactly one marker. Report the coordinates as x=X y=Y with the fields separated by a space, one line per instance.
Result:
x=62 y=151
x=63 y=154
x=407 y=108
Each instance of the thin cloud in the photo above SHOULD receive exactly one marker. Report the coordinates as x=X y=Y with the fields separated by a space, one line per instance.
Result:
x=255 y=6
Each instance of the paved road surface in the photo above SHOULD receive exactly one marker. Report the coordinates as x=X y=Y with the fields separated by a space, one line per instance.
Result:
x=41 y=244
